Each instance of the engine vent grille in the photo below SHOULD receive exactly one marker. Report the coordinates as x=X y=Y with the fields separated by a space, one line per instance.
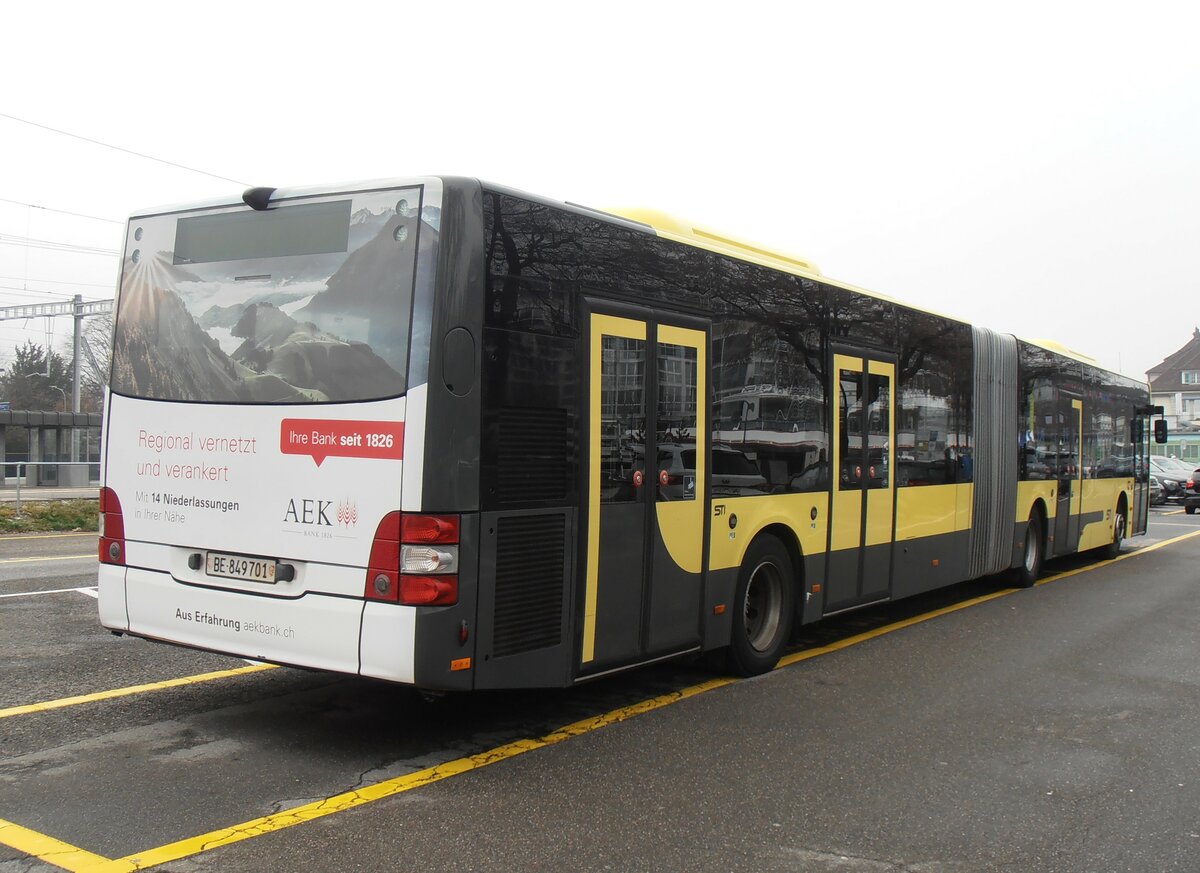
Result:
x=530 y=578
x=534 y=455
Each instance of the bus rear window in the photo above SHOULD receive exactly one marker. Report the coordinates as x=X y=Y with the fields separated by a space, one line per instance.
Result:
x=303 y=303
x=311 y=229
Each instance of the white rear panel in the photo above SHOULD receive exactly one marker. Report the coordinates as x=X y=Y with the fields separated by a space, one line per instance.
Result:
x=244 y=427
x=295 y=483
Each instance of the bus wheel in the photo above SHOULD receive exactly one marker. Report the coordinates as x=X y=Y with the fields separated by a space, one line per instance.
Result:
x=1119 y=530
x=763 y=608
x=1031 y=566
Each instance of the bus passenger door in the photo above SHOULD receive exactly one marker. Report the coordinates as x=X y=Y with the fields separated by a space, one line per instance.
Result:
x=647 y=450
x=864 y=490
x=1070 y=476
x=1139 y=435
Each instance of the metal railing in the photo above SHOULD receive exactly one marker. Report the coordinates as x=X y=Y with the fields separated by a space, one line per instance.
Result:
x=40 y=482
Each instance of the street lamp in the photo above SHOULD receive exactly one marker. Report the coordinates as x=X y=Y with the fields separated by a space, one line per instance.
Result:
x=55 y=387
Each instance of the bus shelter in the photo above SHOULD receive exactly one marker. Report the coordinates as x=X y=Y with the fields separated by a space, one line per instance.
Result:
x=61 y=448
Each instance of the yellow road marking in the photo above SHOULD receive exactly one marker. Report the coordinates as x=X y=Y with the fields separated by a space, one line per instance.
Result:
x=54 y=558
x=946 y=610
x=351 y=799
x=78 y=861
x=48 y=849
x=132 y=689
x=838 y=645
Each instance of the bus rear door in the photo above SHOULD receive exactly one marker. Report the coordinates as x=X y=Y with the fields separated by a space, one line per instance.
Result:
x=647 y=450
x=864 y=490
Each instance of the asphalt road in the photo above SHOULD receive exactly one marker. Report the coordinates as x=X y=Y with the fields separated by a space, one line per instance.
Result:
x=1054 y=729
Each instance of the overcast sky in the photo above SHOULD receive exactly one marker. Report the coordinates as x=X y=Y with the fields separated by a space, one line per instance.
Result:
x=1034 y=168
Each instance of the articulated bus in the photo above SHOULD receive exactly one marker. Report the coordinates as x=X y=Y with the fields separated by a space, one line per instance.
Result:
x=447 y=434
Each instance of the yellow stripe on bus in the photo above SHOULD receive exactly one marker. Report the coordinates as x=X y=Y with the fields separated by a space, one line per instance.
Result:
x=132 y=689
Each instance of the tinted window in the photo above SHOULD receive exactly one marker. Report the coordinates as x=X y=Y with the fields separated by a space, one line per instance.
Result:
x=304 y=303
x=733 y=464
x=934 y=387
x=769 y=395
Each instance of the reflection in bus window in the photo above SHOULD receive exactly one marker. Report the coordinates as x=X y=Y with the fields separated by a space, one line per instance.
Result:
x=769 y=399
x=623 y=414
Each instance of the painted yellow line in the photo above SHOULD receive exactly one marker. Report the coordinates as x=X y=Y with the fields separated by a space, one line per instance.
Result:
x=53 y=558
x=84 y=862
x=937 y=613
x=132 y=689
x=1122 y=557
x=351 y=799
x=48 y=849
x=838 y=645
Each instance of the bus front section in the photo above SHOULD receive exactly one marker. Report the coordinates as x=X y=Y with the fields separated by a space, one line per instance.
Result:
x=264 y=436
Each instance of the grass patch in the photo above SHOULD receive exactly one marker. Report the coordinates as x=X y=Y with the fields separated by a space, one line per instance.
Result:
x=44 y=515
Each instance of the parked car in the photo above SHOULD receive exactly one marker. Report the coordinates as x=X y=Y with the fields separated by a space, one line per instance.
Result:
x=1191 y=500
x=1171 y=465
x=733 y=474
x=1172 y=477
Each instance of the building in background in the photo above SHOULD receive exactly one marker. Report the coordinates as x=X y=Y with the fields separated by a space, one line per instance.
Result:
x=1175 y=385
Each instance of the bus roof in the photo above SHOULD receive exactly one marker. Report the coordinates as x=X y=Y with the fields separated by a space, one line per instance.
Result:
x=686 y=231
x=662 y=224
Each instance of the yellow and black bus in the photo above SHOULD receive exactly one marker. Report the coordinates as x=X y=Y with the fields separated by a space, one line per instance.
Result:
x=452 y=435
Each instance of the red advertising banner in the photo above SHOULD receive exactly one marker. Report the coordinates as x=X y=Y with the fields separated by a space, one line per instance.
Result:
x=324 y=438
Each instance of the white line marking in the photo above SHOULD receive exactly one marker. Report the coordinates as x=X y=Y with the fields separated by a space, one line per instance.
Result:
x=50 y=591
x=93 y=592
x=47 y=558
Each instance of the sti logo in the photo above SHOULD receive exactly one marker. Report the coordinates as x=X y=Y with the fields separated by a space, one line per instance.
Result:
x=311 y=512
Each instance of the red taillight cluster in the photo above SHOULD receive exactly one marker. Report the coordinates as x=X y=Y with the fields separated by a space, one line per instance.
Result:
x=112 y=528
x=414 y=560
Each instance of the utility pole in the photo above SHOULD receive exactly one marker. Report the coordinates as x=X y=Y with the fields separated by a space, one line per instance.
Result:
x=76 y=308
x=75 y=380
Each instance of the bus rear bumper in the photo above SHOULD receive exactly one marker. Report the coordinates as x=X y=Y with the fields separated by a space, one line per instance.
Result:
x=110 y=587
x=317 y=630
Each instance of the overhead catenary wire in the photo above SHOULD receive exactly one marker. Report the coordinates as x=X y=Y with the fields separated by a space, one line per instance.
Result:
x=53 y=245
x=53 y=282
x=120 y=149
x=60 y=211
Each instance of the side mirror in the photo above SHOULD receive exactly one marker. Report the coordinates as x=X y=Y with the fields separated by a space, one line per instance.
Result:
x=1160 y=430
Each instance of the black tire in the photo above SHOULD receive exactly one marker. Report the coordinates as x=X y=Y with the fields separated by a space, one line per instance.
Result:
x=763 y=608
x=1190 y=510
x=1035 y=552
x=1120 y=529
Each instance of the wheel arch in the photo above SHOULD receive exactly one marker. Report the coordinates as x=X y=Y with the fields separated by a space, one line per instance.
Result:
x=1021 y=529
x=791 y=543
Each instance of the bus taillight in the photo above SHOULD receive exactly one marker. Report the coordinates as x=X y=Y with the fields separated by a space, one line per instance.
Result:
x=428 y=590
x=414 y=560
x=112 y=528
x=429 y=529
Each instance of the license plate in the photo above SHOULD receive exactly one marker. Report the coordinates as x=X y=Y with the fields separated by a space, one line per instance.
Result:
x=239 y=567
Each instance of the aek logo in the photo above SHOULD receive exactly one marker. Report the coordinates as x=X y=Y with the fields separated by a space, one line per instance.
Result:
x=347 y=513
x=314 y=512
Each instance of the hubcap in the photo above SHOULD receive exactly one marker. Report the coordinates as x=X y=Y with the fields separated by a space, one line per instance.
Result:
x=1031 y=552
x=763 y=606
x=1119 y=529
